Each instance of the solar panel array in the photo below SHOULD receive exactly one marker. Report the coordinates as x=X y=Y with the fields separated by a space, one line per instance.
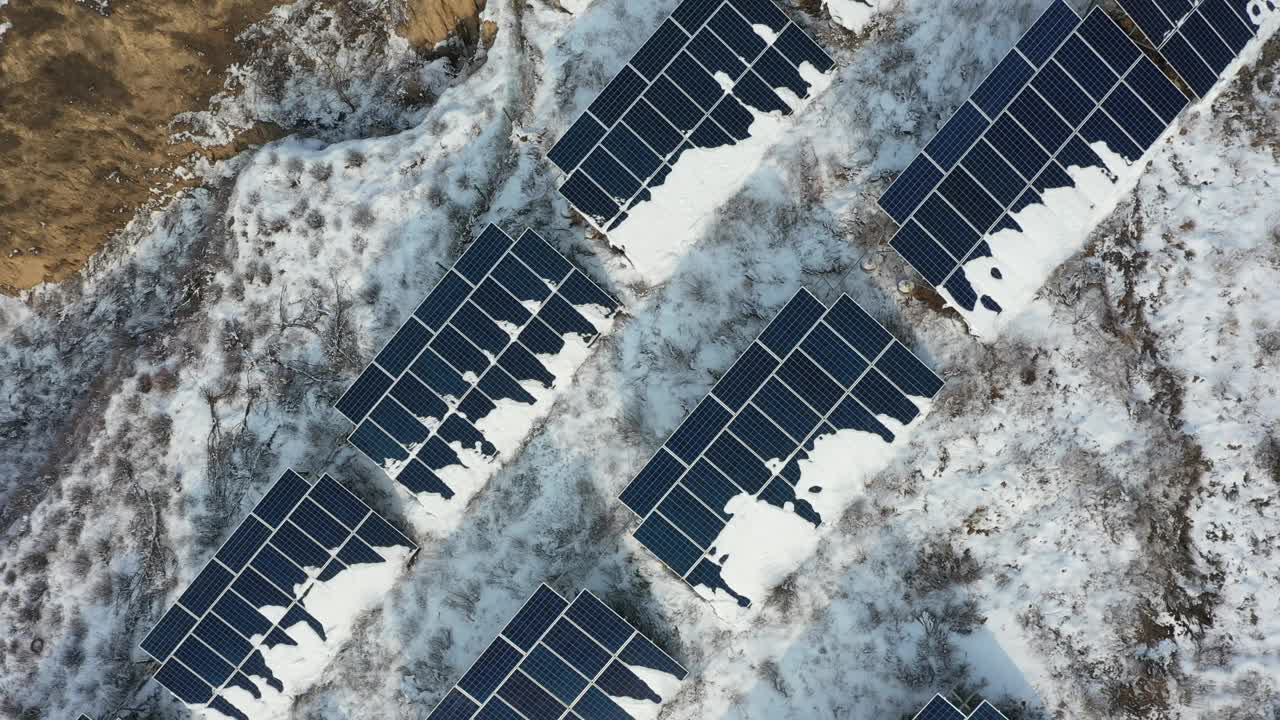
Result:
x=813 y=372
x=492 y=324
x=1066 y=85
x=941 y=709
x=1199 y=38
x=693 y=84
x=297 y=536
x=557 y=659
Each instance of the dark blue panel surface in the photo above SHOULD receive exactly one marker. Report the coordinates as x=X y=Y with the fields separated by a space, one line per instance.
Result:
x=939 y=709
x=674 y=101
x=753 y=92
x=881 y=398
x=433 y=371
x=1132 y=114
x=206 y=588
x=761 y=12
x=258 y=591
x=184 y=684
x=1212 y=50
x=403 y=347
x=1100 y=128
x=910 y=189
x=761 y=435
x=1017 y=147
x=614 y=100
x=518 y=281
x=476 y=326
x=709 y=135
x=497 y=303
x=1048 y=31
x=778 y=72
x=1084 y=65
x=578 y=290
x=738 y=463
x=810 y=383
x=972 y=201
x=540 y=339
x=1062 y=93
x=167 y=633
x=1002 y=84
x=1052 y=177
x=945 y=225
x=554 y=674
x=711 y=487
x=483 y=254
x=521 y=365
x=304 y=552
x=576 y=648
x=399 y=423
x=857 y=328
x=610 y=176
x=459 y=352
x=319 y=525
x=1161 y=95
x=576 y=143
x=786 y=408
x=791 y=324
x=994 y=174
x=658 y=50
x=618 y=681
x=1077 y=154
x=418 y=399
x=203 y=661
x=926 y=256
x=455 y=706
x=242 y=616
x=1109 y=41
x=800 y=48
x=339 y=501
x=357 y=552
x=541 y=258
x=498 y=710
x=732 y=117
x=667 y=544
x=418 y=478
x=281 y=498
x=443 y=300
x=908 y=373
x=278 y=569
x=631 y=151
x=698 y=430
x=459 y=430
x=1233 y=31
x=601 y=623
x=951 y=142
x=588 y=198
x=220 y=636
x=534 y=618
x=363 y=394
x=652 y=483
x=490 y=669
x=851 y=415
x=653 y=128
x=1190 y=67
x=1149 y=18
x=833 y=355
x=745 y=377
x=714 y=55
x=641 y=652
x=737 y=33
x=691 y=14
x=1040 y=120
x=561 y=317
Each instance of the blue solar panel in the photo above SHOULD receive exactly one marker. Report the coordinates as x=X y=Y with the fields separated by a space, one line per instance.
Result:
x=939 y=709
x=1206 y=42
x=550 y=657
x=668 y=93
x=1150 y=19
x=949 y=145
x=759 y=418
x=487 y=326
x=218 y=622
x=945 y=218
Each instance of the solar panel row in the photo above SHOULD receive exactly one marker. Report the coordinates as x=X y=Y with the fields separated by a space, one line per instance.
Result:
x=939 y=708
x=1066 y=86
x=814 y=372
x=251 y=596
x=693 y=84
x=557 y=659
x=1198 y=39
x=486 y=336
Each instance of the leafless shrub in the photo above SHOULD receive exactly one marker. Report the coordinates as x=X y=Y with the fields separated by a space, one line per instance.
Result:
x=362 y=216
x=321 y=171
x=940 y=566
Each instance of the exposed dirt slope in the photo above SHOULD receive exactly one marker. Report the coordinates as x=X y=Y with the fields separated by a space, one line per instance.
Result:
x=85 y=103
x=429 y=22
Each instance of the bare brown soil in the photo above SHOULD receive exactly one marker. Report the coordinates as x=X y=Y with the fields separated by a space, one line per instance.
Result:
x=85 y=104
x=429 y=22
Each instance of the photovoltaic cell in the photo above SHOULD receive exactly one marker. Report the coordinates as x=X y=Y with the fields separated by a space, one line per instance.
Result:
x=1068 y=83
x=556 y=655
x=491 y=324
x=672 y=76
x=760 y=419
x=216 y=627
x=940 y=709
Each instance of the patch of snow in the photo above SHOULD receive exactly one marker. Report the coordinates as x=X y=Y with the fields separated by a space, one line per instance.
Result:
x=577 y=7
x=854 y=15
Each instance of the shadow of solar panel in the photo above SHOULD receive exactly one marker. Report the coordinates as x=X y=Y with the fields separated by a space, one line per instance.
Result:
x=810 y=365
x=668 y=93
x=471 y=344
x=211 y=639
x=555 y=654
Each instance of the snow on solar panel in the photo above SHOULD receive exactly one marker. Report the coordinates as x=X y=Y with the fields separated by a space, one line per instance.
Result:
x=1200 y=39
x=460 y=385
x=557 y=659
x=1013 y=182
x=939 y=708
x=785 y=440
x=275 y=602
x=715 y=75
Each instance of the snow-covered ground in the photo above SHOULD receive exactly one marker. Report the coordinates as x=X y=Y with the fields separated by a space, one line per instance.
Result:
x=1084 y=526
